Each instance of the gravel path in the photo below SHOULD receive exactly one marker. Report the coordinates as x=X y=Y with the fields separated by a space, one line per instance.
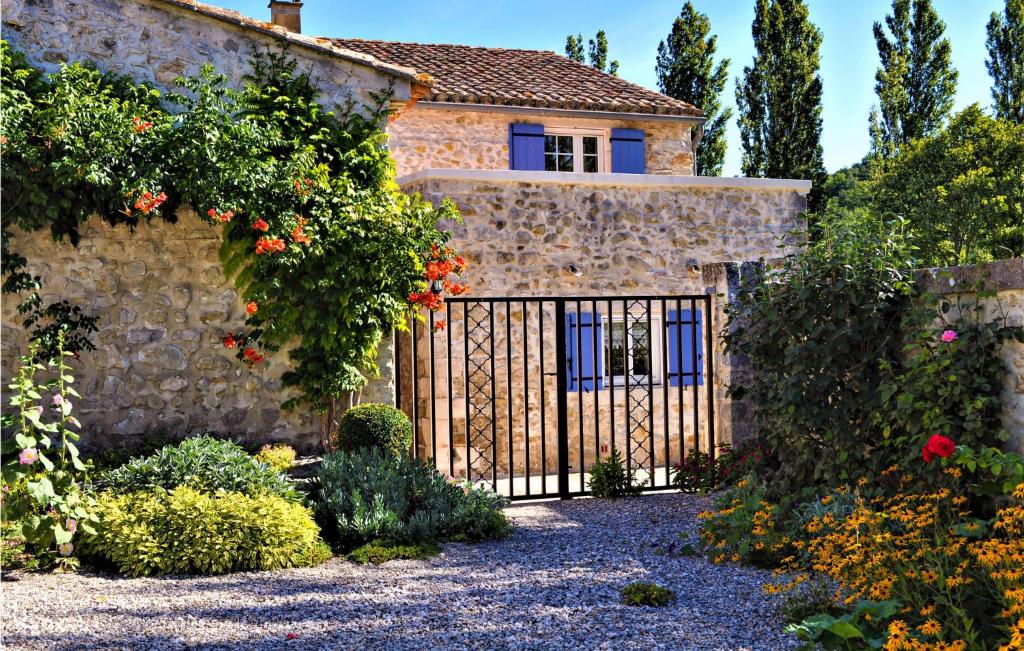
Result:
x=554 y=584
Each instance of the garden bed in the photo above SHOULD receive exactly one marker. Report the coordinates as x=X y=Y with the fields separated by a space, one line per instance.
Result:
x=554 y=583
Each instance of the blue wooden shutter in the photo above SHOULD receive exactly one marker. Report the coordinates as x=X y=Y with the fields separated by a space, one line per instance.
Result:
x=581 y=366
x=525 y=146
x=680 y=326
x=628 y=151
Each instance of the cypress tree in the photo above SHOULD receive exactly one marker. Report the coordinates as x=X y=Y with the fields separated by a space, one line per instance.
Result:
x=686 y=70
x=779 y=97
x=916 y=81
x=1006 y=60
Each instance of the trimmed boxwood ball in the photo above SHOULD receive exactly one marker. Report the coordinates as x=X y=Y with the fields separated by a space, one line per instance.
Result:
x=375 y=425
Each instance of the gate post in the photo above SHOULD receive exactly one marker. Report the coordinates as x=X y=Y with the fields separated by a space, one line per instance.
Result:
x=563 y=399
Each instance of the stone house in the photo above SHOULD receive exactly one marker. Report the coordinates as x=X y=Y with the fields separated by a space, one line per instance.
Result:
x=573 y=184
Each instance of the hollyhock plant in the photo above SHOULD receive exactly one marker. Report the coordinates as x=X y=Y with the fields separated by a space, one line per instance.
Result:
x=949 y=336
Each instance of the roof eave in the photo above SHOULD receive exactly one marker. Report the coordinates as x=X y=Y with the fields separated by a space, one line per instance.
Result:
x=560 y=112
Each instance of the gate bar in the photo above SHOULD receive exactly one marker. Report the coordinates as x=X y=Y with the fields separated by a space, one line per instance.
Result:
x=563 y=401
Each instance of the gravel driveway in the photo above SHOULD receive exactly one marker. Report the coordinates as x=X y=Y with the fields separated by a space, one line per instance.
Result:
x=554 y=584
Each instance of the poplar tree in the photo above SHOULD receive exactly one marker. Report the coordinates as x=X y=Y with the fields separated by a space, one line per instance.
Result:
x=686 y=70
x=597 y=50
x=1006 y=60
x=779 y=97
x=916 y=81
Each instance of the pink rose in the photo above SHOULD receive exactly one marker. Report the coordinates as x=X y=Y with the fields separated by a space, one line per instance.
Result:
x=949 y=336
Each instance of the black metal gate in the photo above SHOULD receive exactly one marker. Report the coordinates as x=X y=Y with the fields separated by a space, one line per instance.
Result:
x=525 y=394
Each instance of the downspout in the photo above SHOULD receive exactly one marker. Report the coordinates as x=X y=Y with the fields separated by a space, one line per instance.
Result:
x=697 y=134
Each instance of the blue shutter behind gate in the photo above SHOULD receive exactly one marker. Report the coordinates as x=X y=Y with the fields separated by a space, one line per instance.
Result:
x=682 y=329
x=525 y=146
x=581 y=366
x=628 y=151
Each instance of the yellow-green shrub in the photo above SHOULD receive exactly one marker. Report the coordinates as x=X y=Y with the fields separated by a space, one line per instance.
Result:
x=186 y=531
x=279 y=456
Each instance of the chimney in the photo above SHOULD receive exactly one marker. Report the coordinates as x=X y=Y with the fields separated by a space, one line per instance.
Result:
x=286 y=14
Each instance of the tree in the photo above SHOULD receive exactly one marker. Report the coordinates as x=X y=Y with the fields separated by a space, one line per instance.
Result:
x=961 y=190
x=686 y=70
x=574 y=48
x=1006 y=60
x=916 y=81
x=598 y=52
x=779 y=97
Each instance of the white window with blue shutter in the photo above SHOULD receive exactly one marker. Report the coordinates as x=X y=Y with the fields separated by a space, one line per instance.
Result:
x=684 y=332
x=634 y=348
x=628 y=154
x=582 y=338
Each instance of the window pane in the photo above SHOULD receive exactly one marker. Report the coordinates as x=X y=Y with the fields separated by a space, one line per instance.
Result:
x=549 y=162
x=549 y=144
x=590 y=145
x=565 y=144
x=615 y=348
x=641 y=349
x=565 y=163
x=590 y=164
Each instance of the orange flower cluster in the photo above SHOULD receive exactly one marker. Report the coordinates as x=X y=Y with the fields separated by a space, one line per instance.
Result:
x=298 y=235
x=269 y=245
x=149 y=202
x=304 y=186
x=260 y=225
x=442 y=263
x=140 y=125
x=220 y=216
x=253 y=357
x=249 y=354
x=251 y=308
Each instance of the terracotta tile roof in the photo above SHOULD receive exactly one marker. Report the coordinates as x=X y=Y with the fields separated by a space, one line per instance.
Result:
x=484 y=75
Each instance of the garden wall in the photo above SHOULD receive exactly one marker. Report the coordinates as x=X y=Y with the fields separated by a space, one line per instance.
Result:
x=159 y=40
x=1006 y=279
x=624 y=235
x=164 y=308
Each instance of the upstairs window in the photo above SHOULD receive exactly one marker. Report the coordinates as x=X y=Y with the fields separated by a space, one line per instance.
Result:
x=573 y=151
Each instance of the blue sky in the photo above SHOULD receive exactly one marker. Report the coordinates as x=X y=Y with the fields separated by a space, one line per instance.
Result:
x=634 y=28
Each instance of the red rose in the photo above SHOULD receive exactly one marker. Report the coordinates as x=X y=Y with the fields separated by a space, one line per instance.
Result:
x=940 y=446
x=927 y=454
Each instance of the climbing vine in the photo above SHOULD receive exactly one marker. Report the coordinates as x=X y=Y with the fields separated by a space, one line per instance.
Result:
x=327 y=252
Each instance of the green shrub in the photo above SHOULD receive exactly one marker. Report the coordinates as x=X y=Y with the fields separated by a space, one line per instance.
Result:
x=371 y=495
x=279 y=456
x=647 y=594
x=696 y=472
x=381 y=552
x=203 y=463
x=374 y=425
x=812 y=598
x=14 y=549
x=156 y=532
x=609 y=477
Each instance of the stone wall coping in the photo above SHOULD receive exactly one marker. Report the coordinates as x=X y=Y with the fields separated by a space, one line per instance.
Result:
x=617 y=180
x=1000 y=275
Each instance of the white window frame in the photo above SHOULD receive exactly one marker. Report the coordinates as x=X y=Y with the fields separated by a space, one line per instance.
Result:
x=577 y=134
x=655 y=348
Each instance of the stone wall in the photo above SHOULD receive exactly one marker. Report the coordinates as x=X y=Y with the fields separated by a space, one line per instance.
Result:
x=1006 y=279
x=159 y=40
x=530 y=234
x=164 y=308
x=424 y=138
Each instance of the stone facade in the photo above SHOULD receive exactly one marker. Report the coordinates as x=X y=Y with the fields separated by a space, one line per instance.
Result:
x=160 y=40
x=534 y=234
x=430 y=138
x=1006 y=279
x=164 y=308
